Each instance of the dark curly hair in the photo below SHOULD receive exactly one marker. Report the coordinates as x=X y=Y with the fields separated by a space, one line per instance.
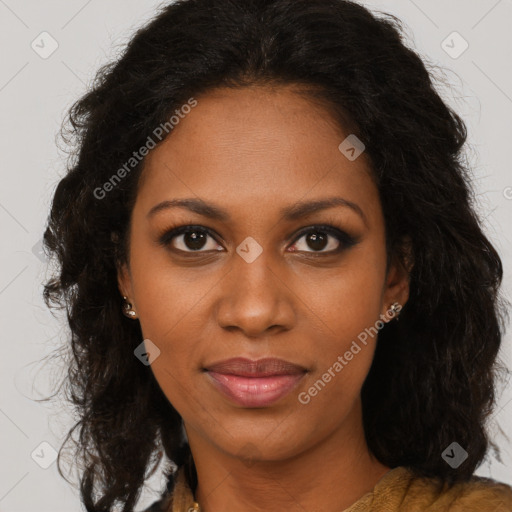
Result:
x=434 y=375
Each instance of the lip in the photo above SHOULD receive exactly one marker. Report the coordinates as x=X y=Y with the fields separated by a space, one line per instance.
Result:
x=255 y=383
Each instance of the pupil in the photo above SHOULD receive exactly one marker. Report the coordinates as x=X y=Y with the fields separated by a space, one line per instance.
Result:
x=317 y=242
x=193 y=240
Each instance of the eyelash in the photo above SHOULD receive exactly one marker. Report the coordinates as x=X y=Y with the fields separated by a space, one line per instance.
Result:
x=346 y=241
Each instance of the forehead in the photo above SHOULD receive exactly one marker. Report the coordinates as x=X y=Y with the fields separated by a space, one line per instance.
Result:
x=253 y=147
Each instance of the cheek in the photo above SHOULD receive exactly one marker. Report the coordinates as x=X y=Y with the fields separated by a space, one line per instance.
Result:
x=173 y=324
x=169 y=298
x=349 y=299
x=170 y=310
x=347 y=308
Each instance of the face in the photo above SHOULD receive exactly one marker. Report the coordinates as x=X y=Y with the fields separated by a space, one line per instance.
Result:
x=263 y=277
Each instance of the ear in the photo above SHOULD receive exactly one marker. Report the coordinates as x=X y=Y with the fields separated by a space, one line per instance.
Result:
x=397 y=284
x=124 y=281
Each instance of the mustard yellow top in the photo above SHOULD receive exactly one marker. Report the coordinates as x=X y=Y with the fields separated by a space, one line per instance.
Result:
x=397 y=491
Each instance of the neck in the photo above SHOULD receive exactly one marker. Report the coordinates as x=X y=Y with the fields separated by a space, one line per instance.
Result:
x=331 y=475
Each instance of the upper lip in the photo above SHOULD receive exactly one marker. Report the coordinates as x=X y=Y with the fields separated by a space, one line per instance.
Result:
x=260 y=368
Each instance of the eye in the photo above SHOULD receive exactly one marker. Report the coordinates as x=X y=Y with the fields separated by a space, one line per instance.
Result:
x=323 y=237
x=189 y=239
x=197 y=239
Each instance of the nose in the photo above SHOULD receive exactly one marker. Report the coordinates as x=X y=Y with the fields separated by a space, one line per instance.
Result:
x=256 y=299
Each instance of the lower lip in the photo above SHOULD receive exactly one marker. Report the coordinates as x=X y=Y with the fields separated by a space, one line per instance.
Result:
x=255 y=391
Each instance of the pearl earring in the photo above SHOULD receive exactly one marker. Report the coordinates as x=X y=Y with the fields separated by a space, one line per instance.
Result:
x=127 y=309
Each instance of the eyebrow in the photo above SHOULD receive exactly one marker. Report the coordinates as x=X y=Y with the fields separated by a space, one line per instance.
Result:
x=289 y=213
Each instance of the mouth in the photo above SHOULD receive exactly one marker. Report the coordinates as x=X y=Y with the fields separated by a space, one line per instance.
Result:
x=255 y=384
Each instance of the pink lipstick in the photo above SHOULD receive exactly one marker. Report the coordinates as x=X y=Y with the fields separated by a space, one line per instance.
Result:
x=255 y=383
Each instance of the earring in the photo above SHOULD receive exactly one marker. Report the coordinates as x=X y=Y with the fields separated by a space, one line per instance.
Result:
x=395 y=308
x=127 y=309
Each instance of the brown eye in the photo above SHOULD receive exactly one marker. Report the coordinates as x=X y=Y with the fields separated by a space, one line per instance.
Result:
x=319 y=238
x=189 y=239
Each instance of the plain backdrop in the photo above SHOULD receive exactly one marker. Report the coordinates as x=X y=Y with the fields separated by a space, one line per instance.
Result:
x=35 y=93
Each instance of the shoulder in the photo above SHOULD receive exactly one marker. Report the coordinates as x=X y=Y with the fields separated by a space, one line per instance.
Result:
x=400 y=490
x=478 y=494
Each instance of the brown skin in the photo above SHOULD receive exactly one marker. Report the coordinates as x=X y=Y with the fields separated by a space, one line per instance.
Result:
x=252 y=152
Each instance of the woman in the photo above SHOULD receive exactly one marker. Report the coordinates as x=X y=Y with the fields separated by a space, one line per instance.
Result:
x=273 y=271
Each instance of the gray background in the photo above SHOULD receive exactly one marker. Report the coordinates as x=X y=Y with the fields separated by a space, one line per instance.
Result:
x=34 y=95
